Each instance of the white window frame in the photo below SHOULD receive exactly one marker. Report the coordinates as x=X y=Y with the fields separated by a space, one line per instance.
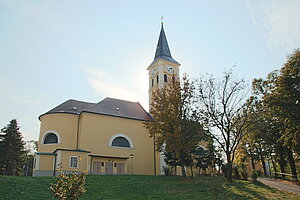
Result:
x=121 y=135
x=77 y=163
x=47 y=133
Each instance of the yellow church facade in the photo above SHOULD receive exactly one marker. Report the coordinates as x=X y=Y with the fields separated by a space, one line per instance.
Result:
x=107 y=137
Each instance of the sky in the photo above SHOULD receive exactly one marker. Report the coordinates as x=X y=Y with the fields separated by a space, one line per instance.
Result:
x=52 y=51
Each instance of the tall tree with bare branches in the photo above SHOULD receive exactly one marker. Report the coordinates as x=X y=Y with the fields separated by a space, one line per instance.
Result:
x=223 y=107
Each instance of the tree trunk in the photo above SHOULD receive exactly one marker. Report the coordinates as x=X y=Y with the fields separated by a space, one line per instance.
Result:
x=263 y=164
x=229 y=169
x=281 y=164
x=229 y=172
x=192 y=173
x=292 y=164
x=252 y=160
x=274 y=166
x=183 y=171
x=262 y=161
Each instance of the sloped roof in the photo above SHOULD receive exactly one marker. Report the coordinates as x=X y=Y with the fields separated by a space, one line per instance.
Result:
x=108 y=106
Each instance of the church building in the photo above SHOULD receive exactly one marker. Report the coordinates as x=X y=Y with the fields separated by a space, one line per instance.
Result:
x=107 y=137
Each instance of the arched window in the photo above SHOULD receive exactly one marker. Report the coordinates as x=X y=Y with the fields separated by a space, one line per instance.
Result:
x=120 y=142
x=152 y=82
x=157 y=79
x=165 y=78
x=51 y=138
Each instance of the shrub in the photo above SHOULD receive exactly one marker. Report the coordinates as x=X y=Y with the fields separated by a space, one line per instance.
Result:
x=244 y=174
x=69 y=186
x=167 y=170
x=254 y=175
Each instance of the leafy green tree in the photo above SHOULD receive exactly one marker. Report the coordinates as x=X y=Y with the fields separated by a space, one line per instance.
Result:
x=280 y=94
x=285 y=100
x=264 y=130
x=12 y=151
x=175 y=127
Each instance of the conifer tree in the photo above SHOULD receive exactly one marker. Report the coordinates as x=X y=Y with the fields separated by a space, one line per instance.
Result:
x=12 y=151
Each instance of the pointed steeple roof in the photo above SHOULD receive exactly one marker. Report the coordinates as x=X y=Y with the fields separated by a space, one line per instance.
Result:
x=162 y=49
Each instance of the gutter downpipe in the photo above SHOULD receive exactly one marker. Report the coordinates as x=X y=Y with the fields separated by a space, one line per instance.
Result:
x=54 y=165
x=77 y=132
x=154 y=156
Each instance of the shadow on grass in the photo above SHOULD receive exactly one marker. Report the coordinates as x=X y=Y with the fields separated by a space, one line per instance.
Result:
x=249 y=189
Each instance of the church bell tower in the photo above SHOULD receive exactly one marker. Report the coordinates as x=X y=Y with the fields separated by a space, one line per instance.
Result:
x=164 y=68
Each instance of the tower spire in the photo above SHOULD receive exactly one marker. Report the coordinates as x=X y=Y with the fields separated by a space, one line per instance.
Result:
x=162 y=48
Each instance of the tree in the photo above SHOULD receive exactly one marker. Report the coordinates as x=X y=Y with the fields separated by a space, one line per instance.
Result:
x=175 y=127
x=283 y=101
x=222 y=107
x=12 y=151
x=265 y=127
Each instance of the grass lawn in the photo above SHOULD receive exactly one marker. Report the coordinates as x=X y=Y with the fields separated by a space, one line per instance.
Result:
x=144 y=187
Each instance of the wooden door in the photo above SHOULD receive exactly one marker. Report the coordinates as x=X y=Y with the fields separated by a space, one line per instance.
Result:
x=121 y=168
x=108 y=168
x=96 y=167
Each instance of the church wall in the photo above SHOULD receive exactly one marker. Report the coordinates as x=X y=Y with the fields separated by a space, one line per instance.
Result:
x=97 y=130
x=65 y=125
x=63 y=160
x=44 y=165
x=111 y=160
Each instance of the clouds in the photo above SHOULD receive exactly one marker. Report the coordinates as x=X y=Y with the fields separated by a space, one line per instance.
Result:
x=21 y=99
x=105 y=85
x=41 y=11
x=279 y=21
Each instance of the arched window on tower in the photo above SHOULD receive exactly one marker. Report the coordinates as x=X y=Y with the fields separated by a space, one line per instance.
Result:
x=152 y=82
x=165 y=78
x=157 y=79
x=51 y=138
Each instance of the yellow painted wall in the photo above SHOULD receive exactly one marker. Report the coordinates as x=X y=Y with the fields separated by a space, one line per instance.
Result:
x=65 y=125
x=96 y=131
x=46 y=162
x=64 y=161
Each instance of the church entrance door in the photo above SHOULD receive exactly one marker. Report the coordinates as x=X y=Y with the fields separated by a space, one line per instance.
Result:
x=121 y=168
x=96 y=167
x=108 y=168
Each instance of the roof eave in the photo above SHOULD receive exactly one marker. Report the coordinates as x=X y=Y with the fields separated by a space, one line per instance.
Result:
x=158 y=59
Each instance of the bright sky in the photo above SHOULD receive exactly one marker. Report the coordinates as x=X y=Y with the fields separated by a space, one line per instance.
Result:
x=52 y=51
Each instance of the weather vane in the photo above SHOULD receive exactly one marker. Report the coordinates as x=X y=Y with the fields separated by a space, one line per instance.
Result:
x=162 y=19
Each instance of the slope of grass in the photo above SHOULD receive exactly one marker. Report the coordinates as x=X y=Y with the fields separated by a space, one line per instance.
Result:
x=144 y=187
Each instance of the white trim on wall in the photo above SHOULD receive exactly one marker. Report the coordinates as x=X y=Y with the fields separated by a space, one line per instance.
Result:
x=120 y=135
x=48 y=132
x=37 y=162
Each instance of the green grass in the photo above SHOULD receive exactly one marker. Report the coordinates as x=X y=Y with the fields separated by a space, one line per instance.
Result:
x=144 y=187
